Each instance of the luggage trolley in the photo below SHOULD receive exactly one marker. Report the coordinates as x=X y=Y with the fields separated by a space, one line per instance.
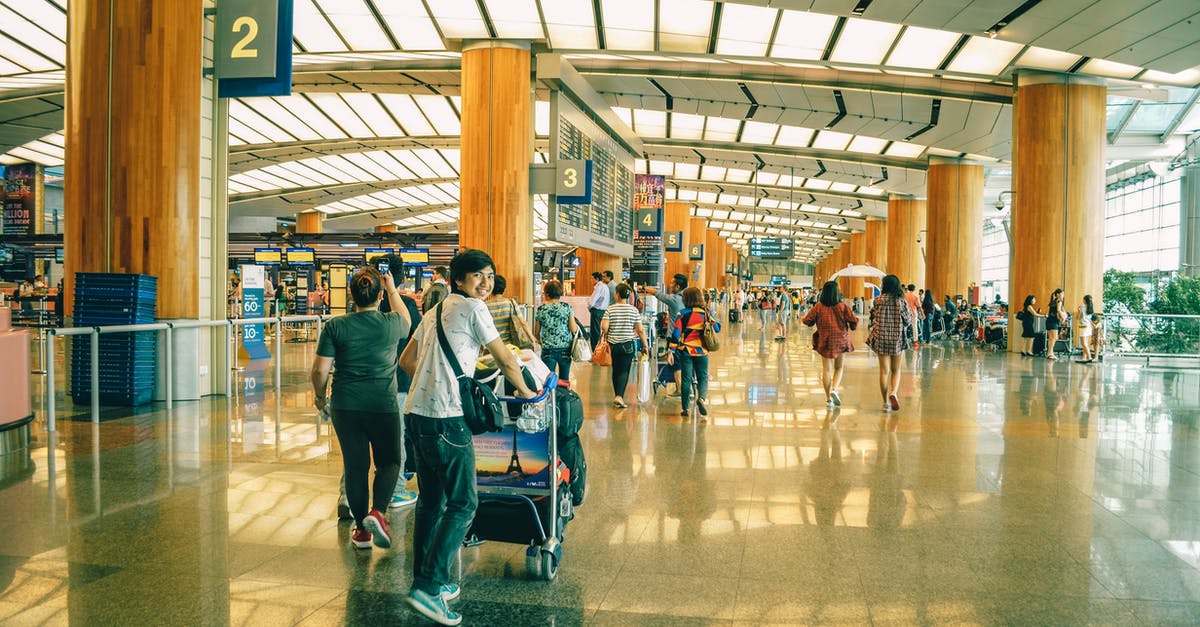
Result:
x=524 y=496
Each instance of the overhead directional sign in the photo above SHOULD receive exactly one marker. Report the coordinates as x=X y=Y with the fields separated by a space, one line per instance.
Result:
x=252 y=48
x=772 y=247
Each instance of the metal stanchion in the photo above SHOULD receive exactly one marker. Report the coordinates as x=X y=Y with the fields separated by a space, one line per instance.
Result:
x=170 y=369
x=96 y=374
x=229 y=352
x=279 y=364
x=50 y=423
x=41 y=351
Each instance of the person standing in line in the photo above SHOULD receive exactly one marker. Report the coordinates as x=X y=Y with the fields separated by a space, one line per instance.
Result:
x=554 y=326
x=596 y=305
x=1084 y=329
x=928 y=311
x=914 y=307
x=437 y=290
x=1055 y=316
x=890 y=316
x=1027 y=316
x=834 y=322
x=687 y=332
x=442 y=443
x=620 y=327
x=363 y=408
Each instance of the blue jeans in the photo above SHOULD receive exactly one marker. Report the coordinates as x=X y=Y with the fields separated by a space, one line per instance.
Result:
x=926 y=328
x=560 y=357
x=692 y=366
x=446 y=505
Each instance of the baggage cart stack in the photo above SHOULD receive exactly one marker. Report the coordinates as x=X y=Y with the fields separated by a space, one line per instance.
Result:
x=127 y=360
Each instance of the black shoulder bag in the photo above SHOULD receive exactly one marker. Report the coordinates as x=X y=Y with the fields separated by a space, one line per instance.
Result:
x=482 y=411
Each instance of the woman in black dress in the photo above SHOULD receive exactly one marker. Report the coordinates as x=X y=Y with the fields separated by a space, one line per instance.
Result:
x=1027 y=315
x=1055 y=316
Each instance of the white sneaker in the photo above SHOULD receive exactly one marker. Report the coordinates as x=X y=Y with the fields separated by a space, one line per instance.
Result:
x=833 y=396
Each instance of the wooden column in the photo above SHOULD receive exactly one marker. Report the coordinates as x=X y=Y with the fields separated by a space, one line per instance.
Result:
x=387 y=228
x=954 y=237
x=496 y=213
x=906 y=220
x=677 y=217
x=1058 y=177
x=698 y=234
x=876 y=250
x=714 y=255
x=858 y=257
x=592 y=261
x=133 y=145
x=310 y=222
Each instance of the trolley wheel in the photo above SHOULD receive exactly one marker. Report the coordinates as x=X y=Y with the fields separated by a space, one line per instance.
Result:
x=549 y=566
x=533 y=562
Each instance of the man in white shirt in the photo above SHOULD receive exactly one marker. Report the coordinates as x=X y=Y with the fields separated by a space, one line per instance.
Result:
x=597 y=304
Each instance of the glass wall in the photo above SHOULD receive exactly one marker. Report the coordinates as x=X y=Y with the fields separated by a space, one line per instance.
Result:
x=994 y=269
x=1141 y=225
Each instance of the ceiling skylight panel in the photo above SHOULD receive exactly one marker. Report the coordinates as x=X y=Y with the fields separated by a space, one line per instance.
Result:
x=766 y=178
x=816 y=184
x=412 y=162
x=795 y=136
x=983 y=55
x=727 y=198
x=700 y=212
x=1047 y=59
x=453 y=156
x=688 y=195
x=434 y=160
x=445 y=121
x=864 y=41
x=1186 y=77
x=275 y=114
x=237 y=187
x=398 y=198
x=662 y=168
x=7 y=68
x=687 y=171
x=670 y=193
x=24 y=57
x=45 y=15
x=571 y=24
x=459 y=19
x=364 y=162
x=338 y=167
x=745 y=30
x=1112 y=69
x=309 y=114
x=515 y=19
x=27 y=154
x=721 y=129
x=904 y=149
x=341 y=114
x=34 y=37
x=842 y=187
x=541 y=118
x=356 y=24
x=388 y=160
x=313 y=31
x=734 y=175
x=802 y=35
x=626 y=115
x=684 y=25
x=628 y=25
x=306 y=169
x=686 y=126
x=870 y=190
x=373 y=114
x=247 y=134
x=271 y=181
x=410 y=24
x=438 y=194
x=832 y=140
x=759 y=132
x=238 y=110
x=871 y=145
x=923 y=48
x=407 y=113
x=707 y=198
x=650 y=123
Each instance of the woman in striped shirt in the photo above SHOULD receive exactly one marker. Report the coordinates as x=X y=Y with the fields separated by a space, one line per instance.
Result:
x=620 y=327
x=688 y=347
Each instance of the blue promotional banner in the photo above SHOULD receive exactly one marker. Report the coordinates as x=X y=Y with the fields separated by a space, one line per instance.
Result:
x=253 y=306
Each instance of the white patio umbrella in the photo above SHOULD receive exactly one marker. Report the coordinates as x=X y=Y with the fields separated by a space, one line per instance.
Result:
x=859 y=271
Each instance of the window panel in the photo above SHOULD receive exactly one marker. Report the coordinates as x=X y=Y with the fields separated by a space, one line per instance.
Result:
x=721 y=129
x=864 y=41
x=459 y=19
x=683 y=25
x=984 y=55
x=571 y=24
x=356 y=24
x=341 y=114
x=802 y=35
x=407 y=113
x=410 y=24
x=686 y=126
x=745 y=30
x=308 y=113
x=439 y=112
x=628 y=25
x=313 y=31
x=515 y=19
x=923 y=48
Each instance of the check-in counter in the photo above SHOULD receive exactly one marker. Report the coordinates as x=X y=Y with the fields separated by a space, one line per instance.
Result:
x=15 y=409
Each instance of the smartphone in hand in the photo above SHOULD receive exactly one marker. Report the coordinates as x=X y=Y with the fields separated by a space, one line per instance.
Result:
x=383 y=267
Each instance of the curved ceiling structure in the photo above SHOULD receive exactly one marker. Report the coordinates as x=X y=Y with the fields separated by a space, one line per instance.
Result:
x=793 y=117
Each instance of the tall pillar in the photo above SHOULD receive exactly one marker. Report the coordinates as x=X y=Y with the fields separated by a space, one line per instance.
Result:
x=677 y=218
x=310 y=222
x=1058 y=176
x=954 y=238
x=133 y=145
x=906 y=220
x=697 y=234
x=496 y=213
x=1189 y=218
x=387 y=228
x=858 y=256
x=876 y=248
x=593 y=261
x=714 y=258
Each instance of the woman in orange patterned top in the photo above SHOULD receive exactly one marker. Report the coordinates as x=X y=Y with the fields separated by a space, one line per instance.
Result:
x=834 y=322
x=688 y=347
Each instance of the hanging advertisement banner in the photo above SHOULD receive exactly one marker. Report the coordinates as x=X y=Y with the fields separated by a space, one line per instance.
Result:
x=22 y=193
x=646 y=265
x=253 y=283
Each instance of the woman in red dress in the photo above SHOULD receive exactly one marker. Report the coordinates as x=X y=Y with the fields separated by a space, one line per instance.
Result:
x=834 y=322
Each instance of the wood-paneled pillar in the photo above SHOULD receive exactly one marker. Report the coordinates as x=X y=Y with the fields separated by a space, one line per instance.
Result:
x=677 y=217
x=714 y=255
x=310 y=222
x=906 y=220
x=858 y=257
x=387 y=228
x=133 y=145
x=698 y=234
x=876 y=249
x=496 y=212
x=954 y=237
x=593 y=261
x=1058 y=194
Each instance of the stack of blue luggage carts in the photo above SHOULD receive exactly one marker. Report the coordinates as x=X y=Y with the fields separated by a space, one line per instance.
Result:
x=127 y=360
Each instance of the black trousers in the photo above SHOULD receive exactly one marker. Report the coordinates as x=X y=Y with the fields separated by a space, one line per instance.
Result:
x=594 y=325
x=363 y=435
x=622 y=357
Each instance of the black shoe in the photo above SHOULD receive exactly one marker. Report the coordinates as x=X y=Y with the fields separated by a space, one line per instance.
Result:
x=685 y=413
x=703 y=409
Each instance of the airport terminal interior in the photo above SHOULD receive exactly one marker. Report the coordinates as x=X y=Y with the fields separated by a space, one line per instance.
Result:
x=190 y=186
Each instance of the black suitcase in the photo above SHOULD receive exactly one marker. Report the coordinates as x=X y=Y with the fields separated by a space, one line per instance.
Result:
x=733 y=315
x=1039 y=344
x=570 y=449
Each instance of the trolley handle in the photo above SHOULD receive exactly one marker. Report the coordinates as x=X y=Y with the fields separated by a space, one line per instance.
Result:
x=551 y=383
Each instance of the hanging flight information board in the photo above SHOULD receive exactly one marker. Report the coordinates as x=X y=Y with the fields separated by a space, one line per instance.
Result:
x=771 y=247
x=606 y=224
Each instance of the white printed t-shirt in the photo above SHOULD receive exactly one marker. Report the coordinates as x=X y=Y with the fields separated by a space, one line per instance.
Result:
x=468 y=326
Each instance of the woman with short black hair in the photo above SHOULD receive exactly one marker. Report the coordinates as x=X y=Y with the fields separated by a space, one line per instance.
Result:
x=1027 y=316
x=554 y=326
x=1055 y=317
x=620 y=327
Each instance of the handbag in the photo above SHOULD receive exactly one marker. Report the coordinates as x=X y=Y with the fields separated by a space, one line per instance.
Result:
x=708 y=337
x=645 y=383
x=581 y=350
x=602 y=356
x=520 y=335
x=482 y=411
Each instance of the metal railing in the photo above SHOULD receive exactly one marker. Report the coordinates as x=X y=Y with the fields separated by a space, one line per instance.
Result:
x=1152 y=335
x=165 y=330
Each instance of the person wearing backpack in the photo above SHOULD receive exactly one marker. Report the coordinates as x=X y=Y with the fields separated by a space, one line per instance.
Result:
x=442 y=443
x=834 y=322
x=687 y=342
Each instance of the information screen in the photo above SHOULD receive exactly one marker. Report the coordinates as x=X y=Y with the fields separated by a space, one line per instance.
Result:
x=605 y=225
x=372 y=253
x=301 y=256
x=414 y=256
x=779 y=280
x=772 y=247
x=268 y=256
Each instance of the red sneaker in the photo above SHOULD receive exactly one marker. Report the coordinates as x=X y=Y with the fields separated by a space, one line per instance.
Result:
x=360 y=538
x=378 y=526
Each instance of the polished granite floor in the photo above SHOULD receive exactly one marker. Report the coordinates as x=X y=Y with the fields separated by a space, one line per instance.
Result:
x=1005 y=491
